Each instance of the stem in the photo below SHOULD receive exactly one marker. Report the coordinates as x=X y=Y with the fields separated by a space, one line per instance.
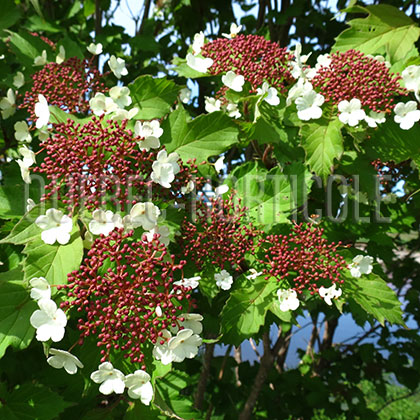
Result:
x=202 y=383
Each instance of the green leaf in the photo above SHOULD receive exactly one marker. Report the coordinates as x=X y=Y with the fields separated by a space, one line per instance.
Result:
x=153 y=97
x=375 y=297
x=323 y=143
x=10 y=14
x=205 y=136
x=16 y=308
x=384 y=27
x=26 y=46
x=245 y=310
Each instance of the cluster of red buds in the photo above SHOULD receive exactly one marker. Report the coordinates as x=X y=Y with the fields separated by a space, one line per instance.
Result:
x=125 y=294
x=45 y=39
x=304 y=258
x=354 y=75
x=66 y=85
x=253 y=57
x=94 y=164
x=219 y=235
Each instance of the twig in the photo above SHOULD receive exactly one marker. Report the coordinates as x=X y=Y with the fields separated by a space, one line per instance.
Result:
x=202 y=383
x=401 y=397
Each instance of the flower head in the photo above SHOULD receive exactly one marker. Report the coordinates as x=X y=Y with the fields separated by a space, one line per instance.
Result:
x=288 y=300
x=117 y=66
x=150 y=131
x=301 y=88
x=40 y=288
x=101 y=104
x=139 y=386
x=144 y=215
x=406 y=114
x=361 y=265
x=212 y=104
x=351 y=113
x=184 y=345
x=223 y=280
x=233 y=81
x=111 y=380
x=55 y=226
x=330 y=293
x=269 y=94
x=233 y=110
x=199 y=64
x=63 y=359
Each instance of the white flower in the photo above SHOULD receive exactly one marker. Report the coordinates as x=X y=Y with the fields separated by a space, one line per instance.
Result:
x=24 y=171
x=22 y=131
x=233 y=111
x=269 y=93
x=411 y=78
x=144 y=215
x=351 y=113
x=212 y=104
x=375 y=118
x=30 y=204
x=185 y=95
x=122 y=114
x=198 y=63
x=221 y=189
x=42 y=112
x=219 y=164
x=299 y=89
x=49 y=321
x=254 y=274
x=184 y=345
x=40 y=288
x=120 y=95
x=8 y=104
x=104 y=222
x=309 y=106
x=288 y=300
x=233 y=31
x=41 y=60
x=330 y=293
x=117 y=66
x=192 y=322
x=361 y=265
x=61 y=55
x=165 y=168
x=55 y=226
x=63 y=359
x=223 y=280
x=406 y=114
x=28 y=156
x=19 y=80
x=297 y=69
x=95 y=49
x=139 y=386
x=198 y=43
x=233 y=81
x=101 y=104
x=161 y=351
x=324 y=60
x=162 y=231
x=150 y=131
x=111 y=380
x=192 y=282
x=186 y=189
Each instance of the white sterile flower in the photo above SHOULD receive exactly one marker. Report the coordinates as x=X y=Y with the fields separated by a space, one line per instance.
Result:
x=270 y=94
x=28 y=155
x=361 y=265
x=8 y=104
x=184 y=345
x=254 y=274
x=49 y=321
x=299 y=89
x=233 y=31
x=351 y=113
x=101 y=104
x=61 y=55
x=104 y=222
x=144 y=215
x=192 y=322
x=161 y=351
x=309 y=106
x=192 y=282
x=30 y=204
x=324 y=60
x=40 y=288
x=63 y=359
x=406 y=114
x=41 y=60
x=186 y=189
x=223 y=280
x=120 y=95
x=165 y=168
x=19 y=80
x=122 y=114
x=139 y=386
x=162 y=231
x=233 y=110
x=212 y=104
x=185 y=95
x=22 y=131
x=94 y=49
x=288 y=300
x=198 y=43
x=233 y=81
x=221 y=189
x=111 y=380
x=375 y=118
x=219 y=164
x=411 y=78
x=297 y=70
x=329 y=293
x=198 y=63
x=24 y=171
x=55 y=227
x=117 y=66
x=42 y=112
x=150 y=131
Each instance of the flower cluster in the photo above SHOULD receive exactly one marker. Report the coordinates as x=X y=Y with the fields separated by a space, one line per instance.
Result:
x=251 y=56
x=126 y=293
x=66 y=85
x=303 y=258
x=219 y=236
x=355 y=75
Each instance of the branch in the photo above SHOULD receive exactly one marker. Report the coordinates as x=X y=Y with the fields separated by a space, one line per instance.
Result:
x=401 y=397
x=314 y=335
x=145 y=16
x=202 y=383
